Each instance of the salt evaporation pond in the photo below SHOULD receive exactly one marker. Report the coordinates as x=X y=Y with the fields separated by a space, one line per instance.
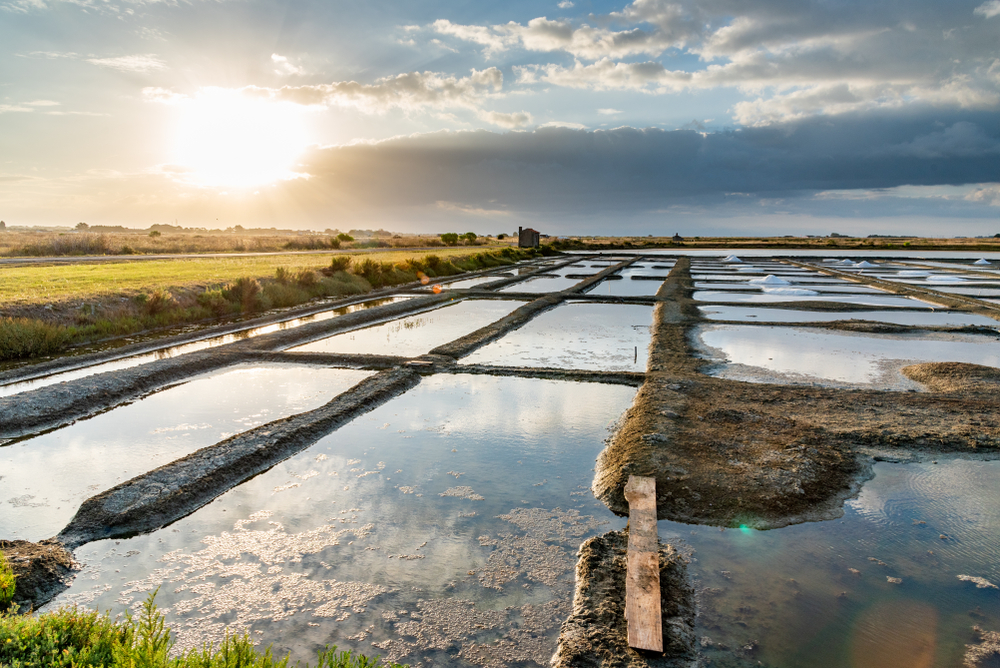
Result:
x=803 y=355
x=627 y=286
x=764 y=297
x=436 y=530
x=174 y=351
x=415 y=334
x=818 y=595
x=607 y=337
x=928 y=318
x=45 y=478
x=544 y=283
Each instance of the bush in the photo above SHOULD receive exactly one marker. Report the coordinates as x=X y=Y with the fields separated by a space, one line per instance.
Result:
x=344 y=237
x=24 y=337
x=340 y=263
x=78 y=638
x=156 y=303
x=7 y=582
x=450 y=238
x=215 y=301
x=246 y=293
x=306 y=278
x=282 y=275
x=470 y=237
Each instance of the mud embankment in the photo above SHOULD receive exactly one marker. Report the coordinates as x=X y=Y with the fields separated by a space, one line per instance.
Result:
x=56 y=405
x=42 y=570
x=166 y=494
x=596 y=633
x=731 y=453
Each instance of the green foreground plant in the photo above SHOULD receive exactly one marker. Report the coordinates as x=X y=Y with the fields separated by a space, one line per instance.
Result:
x=7 y=582
x=78 y=638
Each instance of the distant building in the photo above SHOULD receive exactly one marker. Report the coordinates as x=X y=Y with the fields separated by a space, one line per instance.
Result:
x=677 y=238
x=528 y=238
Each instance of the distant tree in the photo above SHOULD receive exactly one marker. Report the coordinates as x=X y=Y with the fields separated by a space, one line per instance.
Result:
x=238 y=229
x=470 y=237
x=154 y=233
x=501 y=236
x=83 y=227
x=450 y=238
x=344 y=237
x=996 y=236
x=3 y=225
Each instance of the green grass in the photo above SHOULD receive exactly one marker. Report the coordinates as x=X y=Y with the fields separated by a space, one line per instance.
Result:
x=20 y=285
x=161 y=303
x=77 y=638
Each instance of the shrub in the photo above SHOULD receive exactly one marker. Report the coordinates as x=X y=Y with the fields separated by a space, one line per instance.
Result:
x=245 y=292
x=306 y=278
x=7 y=582
x=154 y=234
x=282 y=275
x=344 y=237
x=158 y=302
x=215 y=301
x=470 y=237
x=24 y=337
x=340 y=263
x=450 y=238
x=78 y=638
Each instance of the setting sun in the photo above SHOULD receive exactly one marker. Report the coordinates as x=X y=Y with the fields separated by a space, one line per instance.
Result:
x=228 y=139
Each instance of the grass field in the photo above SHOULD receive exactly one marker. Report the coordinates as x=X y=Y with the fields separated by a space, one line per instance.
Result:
x=47 y=284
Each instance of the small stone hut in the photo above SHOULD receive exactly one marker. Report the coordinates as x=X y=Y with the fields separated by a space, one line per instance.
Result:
x=528 y=238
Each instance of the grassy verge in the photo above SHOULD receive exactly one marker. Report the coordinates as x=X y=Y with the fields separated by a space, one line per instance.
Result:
x=119 y=300
x=77 y=638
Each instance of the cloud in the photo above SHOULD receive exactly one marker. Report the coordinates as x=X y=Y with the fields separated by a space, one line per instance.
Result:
x=609 y=112
x=565 y=4
x=988 y=9
x=563 y=124
x=142 y=64
x=988 y=194
x=475 y=211
x=510 y=121
x=792 y=60
x=558 y=171
x=284 y=67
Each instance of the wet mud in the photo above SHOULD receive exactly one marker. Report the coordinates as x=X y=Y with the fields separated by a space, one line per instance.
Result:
x=596 y=633
x=42 y=570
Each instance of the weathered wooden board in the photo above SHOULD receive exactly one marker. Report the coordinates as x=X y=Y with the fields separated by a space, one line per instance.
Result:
x=642 y=582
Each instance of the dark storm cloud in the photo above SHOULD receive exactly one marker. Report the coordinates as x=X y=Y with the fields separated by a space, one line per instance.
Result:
x=556 y=170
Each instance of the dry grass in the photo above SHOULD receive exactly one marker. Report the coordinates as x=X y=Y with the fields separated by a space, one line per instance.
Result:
x=41 y=244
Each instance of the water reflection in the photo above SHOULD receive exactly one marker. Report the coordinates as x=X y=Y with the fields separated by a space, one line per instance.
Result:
x=609 y=337
x=441 y=528
x=416 y=334
x=801 y=355
x=936 y=318
x=880 y=588
x=46 y=478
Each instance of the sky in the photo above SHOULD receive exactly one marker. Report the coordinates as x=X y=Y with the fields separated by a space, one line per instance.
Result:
x=703 y=117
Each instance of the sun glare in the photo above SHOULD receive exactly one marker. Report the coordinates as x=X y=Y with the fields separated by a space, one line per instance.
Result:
x=228 y=139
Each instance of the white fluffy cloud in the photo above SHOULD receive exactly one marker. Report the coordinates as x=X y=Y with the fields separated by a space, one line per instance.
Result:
x=143 y=63
x=796 y=61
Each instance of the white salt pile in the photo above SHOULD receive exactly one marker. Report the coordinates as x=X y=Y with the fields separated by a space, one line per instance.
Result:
x=770 y=279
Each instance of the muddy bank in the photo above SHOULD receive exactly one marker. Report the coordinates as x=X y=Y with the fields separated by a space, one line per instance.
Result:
x=596 y=633
x=42 y=569
x=732 y=453
x=609 y=377
x=166 y=494
x=57 y=405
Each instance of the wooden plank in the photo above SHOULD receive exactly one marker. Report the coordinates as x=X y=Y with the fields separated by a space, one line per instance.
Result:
x=642 y=581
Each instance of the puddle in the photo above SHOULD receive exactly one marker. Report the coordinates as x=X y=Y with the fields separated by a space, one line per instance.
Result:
x=764 y=297
x=416 y=334
x=547 y=283
x=46 y=478
x=608 y=337
x=843 y=359
x=471 y=282
x=136 y=360
x=936 y=318
x=819 y=595
x=393 y=536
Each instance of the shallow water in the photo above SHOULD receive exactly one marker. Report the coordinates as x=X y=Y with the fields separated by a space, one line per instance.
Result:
x=626 y=286
x=415 y=334
x=546 y=283
x=44 y=479
x=174 y=351
x=803 y=355
x=793 y=592
x=935 y=318
x=762 y=297
x=609 y=337
x=460 y=503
